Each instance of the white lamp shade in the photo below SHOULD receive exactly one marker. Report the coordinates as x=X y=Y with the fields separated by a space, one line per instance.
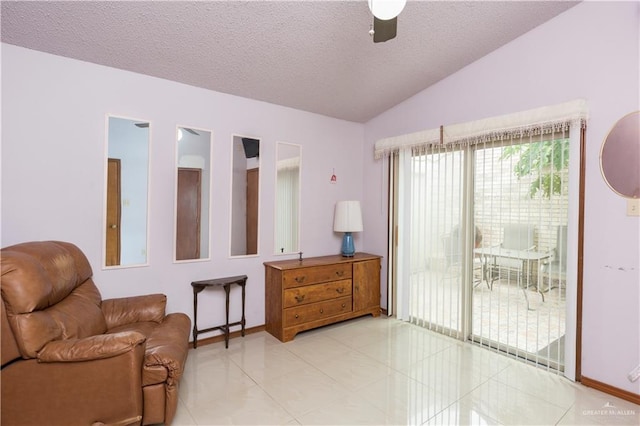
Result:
x=386 y=9
x=347 y=217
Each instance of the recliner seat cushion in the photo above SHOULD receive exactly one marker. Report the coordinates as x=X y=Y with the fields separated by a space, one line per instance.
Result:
x=128 y=310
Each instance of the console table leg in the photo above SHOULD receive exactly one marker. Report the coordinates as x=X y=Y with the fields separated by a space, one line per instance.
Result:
x=227 y=289
x=243 y=298
x=195 y=319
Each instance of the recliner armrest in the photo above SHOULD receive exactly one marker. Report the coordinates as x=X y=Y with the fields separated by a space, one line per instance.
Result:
x=168 y=346
x=129 y=310
x=107 y=390
x=90 y=348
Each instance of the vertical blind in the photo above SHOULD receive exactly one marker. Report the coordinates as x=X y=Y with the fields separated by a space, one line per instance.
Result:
x=287 y=203
x=458 y=195
x=436 y=188
x=520 y=204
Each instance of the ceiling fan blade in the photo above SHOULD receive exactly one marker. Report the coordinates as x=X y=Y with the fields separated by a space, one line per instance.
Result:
x=193 y=132
x=384 y=30
x=142 y=125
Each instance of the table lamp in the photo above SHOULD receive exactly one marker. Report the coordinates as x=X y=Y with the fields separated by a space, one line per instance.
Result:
x=347 y=219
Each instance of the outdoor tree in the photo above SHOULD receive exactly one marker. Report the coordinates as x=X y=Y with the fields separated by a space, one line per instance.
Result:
x=543 y=162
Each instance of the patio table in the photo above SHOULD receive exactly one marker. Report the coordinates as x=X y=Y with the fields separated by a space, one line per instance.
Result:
x=527 y=257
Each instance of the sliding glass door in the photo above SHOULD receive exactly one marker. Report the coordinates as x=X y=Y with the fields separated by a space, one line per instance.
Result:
x=436 y=249
x=520 y=206
x=482 y=242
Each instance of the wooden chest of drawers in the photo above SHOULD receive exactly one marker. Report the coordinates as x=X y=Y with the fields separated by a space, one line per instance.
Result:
x=301 y=295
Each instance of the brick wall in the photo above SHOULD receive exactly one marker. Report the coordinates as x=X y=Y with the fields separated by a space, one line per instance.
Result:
x=500 y=198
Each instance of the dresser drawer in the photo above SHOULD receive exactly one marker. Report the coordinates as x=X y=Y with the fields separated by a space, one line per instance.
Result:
x=316 y=293
x=315 y=311
x=316 y=274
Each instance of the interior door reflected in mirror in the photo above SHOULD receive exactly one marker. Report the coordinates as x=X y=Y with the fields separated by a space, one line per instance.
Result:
x=245 y=196
x=193 y=189
x=287 y=218
x=126 y=192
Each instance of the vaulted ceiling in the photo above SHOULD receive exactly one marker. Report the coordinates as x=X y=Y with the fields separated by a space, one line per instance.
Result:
x=310 y=55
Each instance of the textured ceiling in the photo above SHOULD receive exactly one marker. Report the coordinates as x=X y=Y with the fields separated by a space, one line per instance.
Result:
x=311 y=55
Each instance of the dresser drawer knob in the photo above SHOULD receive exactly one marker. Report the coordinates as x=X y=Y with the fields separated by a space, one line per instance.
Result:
x=296 y=316
x=344 y=305
x=321 y=311
x=299 y=298
x=340 y=290
x=339 y=273
x=299 y=280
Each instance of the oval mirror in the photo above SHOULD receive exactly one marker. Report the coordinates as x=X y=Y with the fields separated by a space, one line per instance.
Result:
x=620 y=156
x=193 y=189
x=127 y=189
x=245 y=196
x=287 y=217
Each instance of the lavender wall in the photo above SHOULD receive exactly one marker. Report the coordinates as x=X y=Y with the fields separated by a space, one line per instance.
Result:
x=592 y=52
x=53 y=150
x=53 y=156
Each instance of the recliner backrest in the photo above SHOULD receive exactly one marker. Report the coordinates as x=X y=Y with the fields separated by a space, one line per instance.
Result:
x=561 y=244
x=48 y=294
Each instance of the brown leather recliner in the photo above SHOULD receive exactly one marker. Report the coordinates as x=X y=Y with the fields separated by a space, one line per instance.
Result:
x=68 y=357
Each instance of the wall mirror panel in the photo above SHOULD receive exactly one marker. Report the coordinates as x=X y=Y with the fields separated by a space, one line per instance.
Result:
x=287 y=214
x=619 y=156
x=245 y=196
x=193 y=194
x=127 y=189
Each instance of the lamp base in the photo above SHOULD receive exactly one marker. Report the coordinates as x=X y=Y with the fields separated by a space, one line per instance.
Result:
x=348 y=248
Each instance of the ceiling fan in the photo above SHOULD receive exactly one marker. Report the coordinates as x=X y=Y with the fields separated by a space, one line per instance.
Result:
x=385 y=18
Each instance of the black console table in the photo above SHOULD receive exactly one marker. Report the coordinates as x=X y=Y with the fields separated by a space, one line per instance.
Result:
x=224 y=283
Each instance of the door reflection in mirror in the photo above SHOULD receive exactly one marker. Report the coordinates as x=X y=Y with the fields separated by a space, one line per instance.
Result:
x=287 y=218
x=245 y=185
x=193 y=189
x=127 y=192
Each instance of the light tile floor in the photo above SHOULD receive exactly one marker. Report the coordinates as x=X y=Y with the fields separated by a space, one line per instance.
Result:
x=379 y=371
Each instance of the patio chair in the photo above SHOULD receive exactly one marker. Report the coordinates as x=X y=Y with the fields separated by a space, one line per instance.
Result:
x=452 y=252
x=555 y=270
x=516 y=236
x=452 y=244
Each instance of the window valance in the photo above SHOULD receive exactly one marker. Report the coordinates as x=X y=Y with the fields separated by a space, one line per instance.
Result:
x=292 y=163
x=542 y=120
